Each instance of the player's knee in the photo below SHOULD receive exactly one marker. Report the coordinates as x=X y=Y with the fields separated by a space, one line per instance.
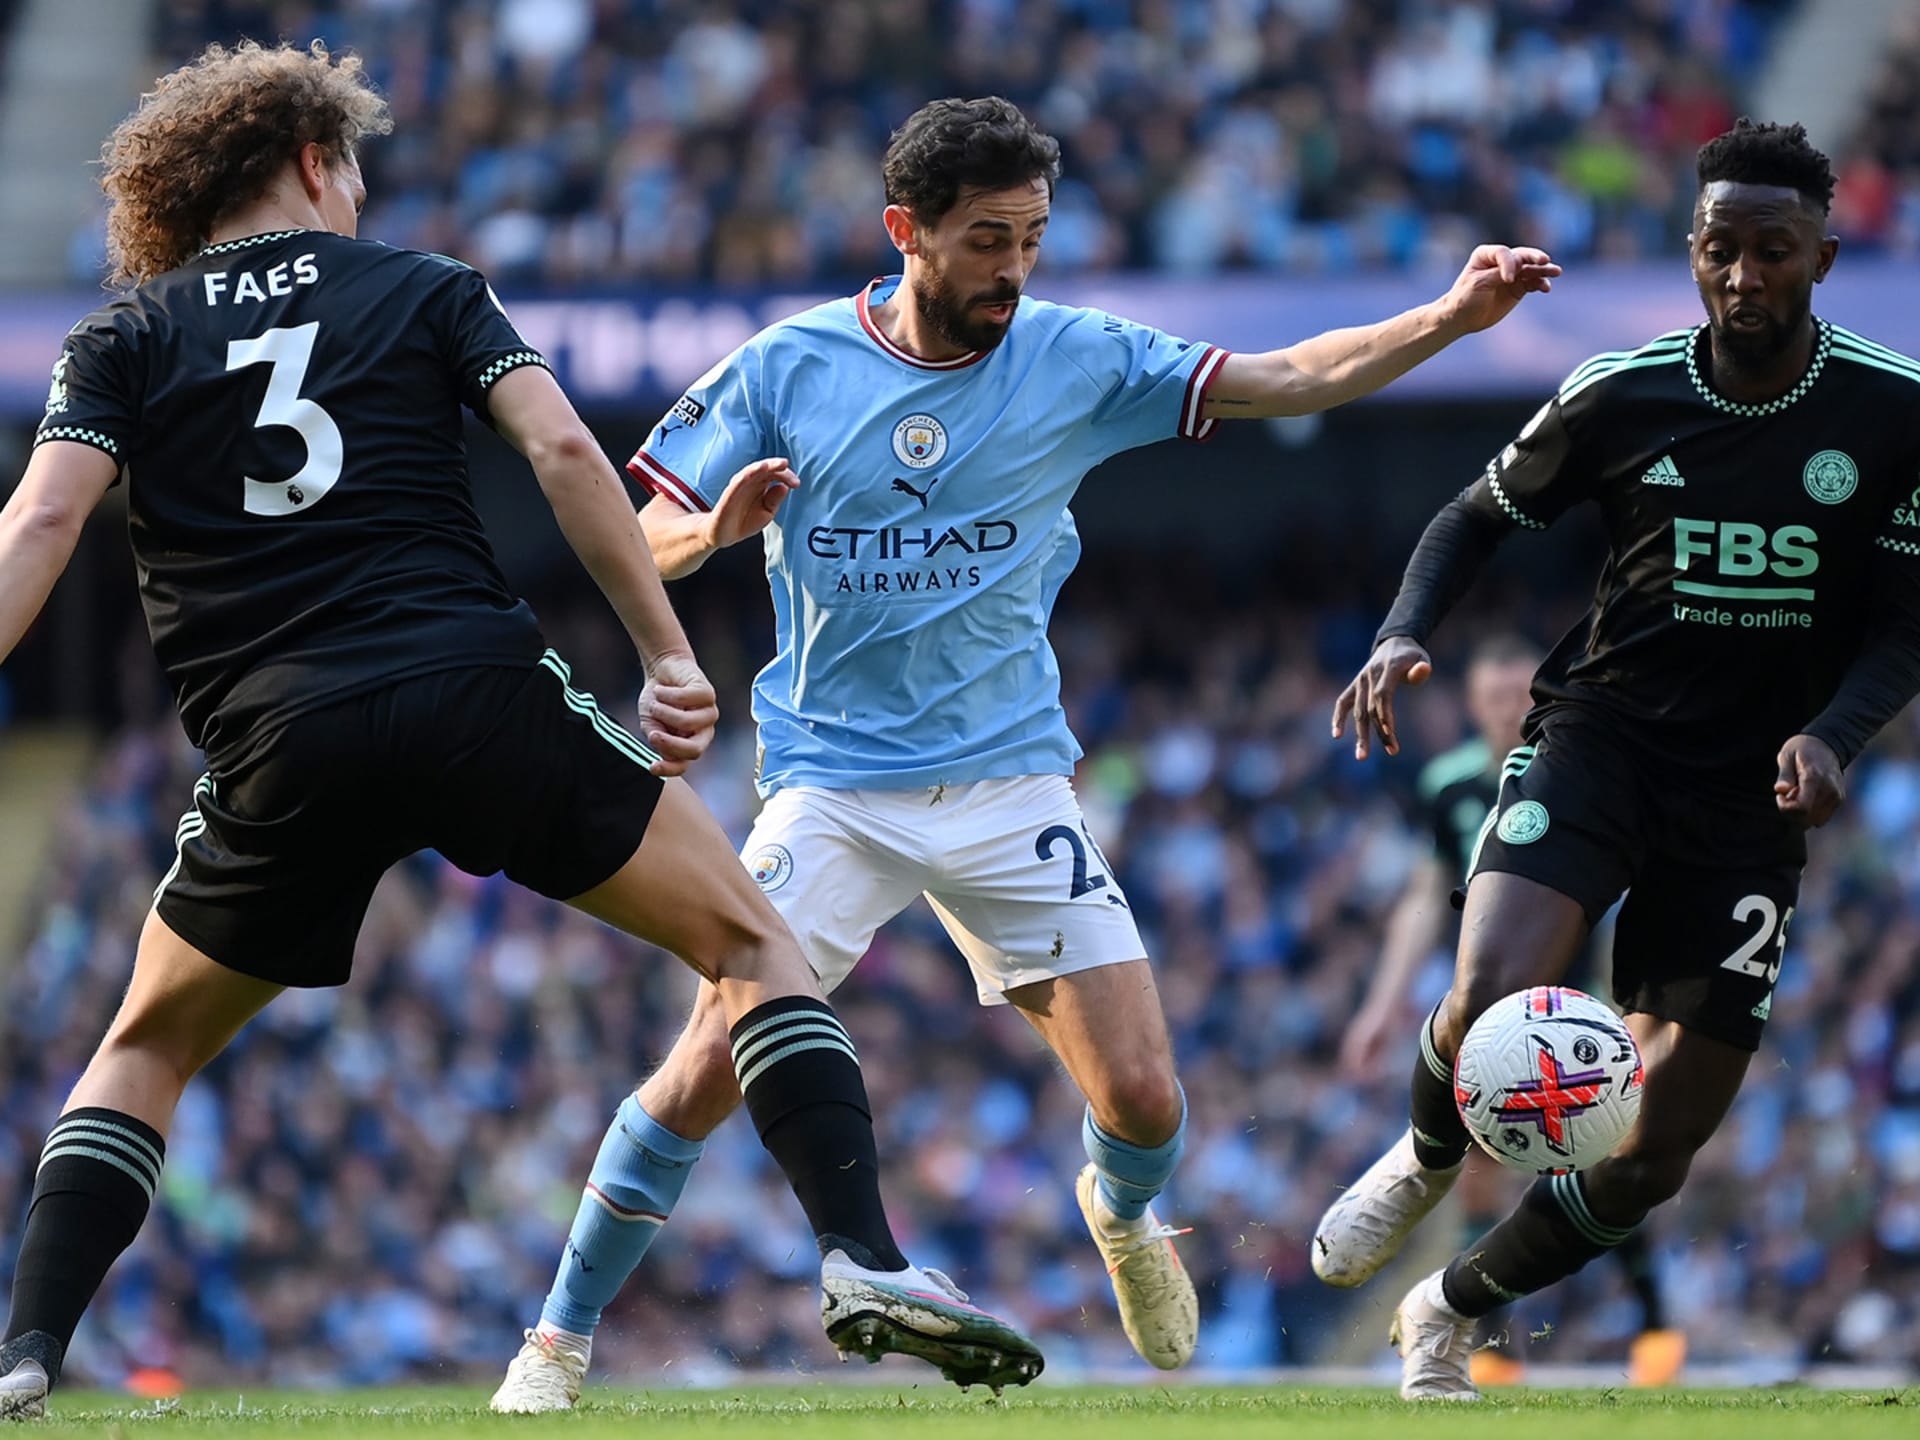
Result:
x=1471 y=997
x=157 y=1047
x=747 y=943
x=1638 y=1179
x=1141 y=1106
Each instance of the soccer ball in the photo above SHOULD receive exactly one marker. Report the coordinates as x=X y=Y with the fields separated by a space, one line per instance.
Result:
x=1548 y=1080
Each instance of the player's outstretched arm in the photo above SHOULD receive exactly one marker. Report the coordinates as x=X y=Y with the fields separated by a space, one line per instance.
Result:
x=1413 y=930
x=682 y=539
x=677 y=708
x=1343 y=365
x=40 y=526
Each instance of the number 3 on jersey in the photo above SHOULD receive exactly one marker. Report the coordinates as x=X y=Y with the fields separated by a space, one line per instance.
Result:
x=289 y=351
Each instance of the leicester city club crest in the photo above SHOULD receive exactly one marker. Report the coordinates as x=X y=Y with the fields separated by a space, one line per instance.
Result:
x=920 y=441
x=1524 y=823
x=1831 y=476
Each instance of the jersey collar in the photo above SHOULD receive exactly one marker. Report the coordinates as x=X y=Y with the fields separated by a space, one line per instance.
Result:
x=248 y=241
x=1822 y=346
x=872 y=327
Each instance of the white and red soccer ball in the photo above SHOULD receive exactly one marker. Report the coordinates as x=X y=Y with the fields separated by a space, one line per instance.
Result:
x=1549 y=1080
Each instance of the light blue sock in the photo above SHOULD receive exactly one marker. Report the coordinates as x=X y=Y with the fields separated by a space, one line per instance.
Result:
x=636 y=1180
x=1131 y=1175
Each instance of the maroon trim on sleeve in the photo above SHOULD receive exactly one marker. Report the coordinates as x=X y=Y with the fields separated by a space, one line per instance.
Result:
x=662 y=481
x=1193 y=424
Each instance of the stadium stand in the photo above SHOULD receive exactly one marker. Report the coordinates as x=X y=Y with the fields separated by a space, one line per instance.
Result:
x=371 y=1184
x=739 y=143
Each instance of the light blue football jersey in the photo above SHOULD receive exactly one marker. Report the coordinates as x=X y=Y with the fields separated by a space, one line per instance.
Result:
x=914 y=570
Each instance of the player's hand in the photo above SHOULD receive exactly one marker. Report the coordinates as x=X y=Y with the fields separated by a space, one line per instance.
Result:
x=1369 y=699
x=1365 y=1041
x=750 y=501
x=1811 y=783
x=677 y=712
x=1497 y=279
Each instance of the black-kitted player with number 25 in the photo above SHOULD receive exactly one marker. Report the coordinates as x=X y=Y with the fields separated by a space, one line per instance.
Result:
x=1757 y=621
x=284 y=402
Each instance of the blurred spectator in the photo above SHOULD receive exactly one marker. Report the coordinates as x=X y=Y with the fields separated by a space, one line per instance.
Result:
x=373 y=1182
x=738 y=142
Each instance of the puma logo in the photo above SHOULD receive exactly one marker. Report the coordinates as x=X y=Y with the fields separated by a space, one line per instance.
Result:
x=921 y=495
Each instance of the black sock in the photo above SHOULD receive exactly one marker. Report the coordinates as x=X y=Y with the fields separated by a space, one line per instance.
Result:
x=98 y=1172
x=1635 y=1254
x=1440 y=1138
x=1550 y=1236
x=802 y=1084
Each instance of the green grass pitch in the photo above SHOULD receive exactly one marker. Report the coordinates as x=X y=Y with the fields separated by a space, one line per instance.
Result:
x=870 y=1412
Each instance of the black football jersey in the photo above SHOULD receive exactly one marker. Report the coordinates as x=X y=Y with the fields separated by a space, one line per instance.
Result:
x=286 y=413
x=1751 y=546
x=1457 y=789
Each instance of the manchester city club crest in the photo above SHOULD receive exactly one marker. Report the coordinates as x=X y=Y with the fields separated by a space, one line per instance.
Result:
x=771 y=867
x=920 y=441
x=1831 y=476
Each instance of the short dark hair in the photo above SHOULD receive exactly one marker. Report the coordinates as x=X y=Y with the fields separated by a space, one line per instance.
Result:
x=952 y=145
x=1751 y=154
x=1503 y=647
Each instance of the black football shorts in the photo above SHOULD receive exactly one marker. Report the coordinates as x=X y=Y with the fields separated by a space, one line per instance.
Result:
x=500 y=769
x=1710 y=871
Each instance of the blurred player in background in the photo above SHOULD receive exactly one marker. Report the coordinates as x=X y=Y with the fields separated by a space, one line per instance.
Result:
x=284 y=402
x=1457 y=790
x=908 y=455
x=1757 y=623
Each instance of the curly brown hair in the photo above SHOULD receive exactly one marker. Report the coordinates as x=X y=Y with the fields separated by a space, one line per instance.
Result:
x=212 y=136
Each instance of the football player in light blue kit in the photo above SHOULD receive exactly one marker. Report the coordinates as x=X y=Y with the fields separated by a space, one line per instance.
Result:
x=908 y=456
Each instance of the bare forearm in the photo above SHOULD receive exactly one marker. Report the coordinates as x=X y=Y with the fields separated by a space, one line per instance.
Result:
x=681 y=540
x=35 y=546
x=1412 y=931
x=598 y=521
x=1331 y=369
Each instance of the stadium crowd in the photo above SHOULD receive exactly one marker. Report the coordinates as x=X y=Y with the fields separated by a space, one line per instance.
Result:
x=738 y=142
x=372 y=1184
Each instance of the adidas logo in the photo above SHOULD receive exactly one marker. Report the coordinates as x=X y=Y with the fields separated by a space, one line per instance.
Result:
x=1662 y=472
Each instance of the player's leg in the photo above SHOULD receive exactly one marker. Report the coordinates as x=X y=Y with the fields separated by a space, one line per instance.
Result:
x=1554 y=855
x=1107 y=1028
x=1565 y=1221
x=561 y=798
x=800 y=1079
x=1516 y=932
x=1033 y=905
x=837 y=895
x=101 y=1162
x=1695 y=960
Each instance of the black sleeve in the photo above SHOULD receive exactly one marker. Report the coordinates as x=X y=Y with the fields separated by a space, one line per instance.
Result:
x=1885 y=675
x=1530 y=484
x=95 y=396
x=1455 y=546
x=479 y=340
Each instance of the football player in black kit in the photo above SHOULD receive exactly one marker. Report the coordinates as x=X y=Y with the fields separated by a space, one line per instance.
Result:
x=284 y=403
x=1757 y=622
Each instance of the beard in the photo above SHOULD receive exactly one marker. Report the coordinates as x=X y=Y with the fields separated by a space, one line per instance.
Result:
x=952 y=318
x=1757 y=350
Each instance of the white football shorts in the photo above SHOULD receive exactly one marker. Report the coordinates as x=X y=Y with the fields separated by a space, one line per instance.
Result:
x=1008 y=866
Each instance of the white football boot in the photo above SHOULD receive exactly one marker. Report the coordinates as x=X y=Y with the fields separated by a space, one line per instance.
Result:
x=545 y=1376
x=23 y=1392
x=1158 y=1308
x=1368 y=1224
x=1435 y=1345
x=922 y=1313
